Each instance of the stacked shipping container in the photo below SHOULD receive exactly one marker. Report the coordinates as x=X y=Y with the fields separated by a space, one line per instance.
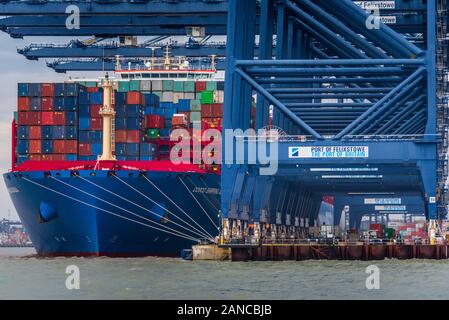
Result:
x=62 y=121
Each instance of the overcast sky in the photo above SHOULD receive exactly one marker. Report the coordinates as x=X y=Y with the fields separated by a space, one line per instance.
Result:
x=16 y=68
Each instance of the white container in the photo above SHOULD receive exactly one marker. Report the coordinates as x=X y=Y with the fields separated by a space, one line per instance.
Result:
x=167 y=96
x=156 y=85
x=145 y=85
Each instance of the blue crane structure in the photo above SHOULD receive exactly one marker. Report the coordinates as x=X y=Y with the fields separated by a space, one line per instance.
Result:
x=358 y=104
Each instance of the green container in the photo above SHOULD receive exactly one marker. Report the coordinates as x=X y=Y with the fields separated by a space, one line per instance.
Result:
x=195 y=116
x=91 y=84
x=153 y=133
x=167 y=85
x=83 y=83
x=123 y=86
x=189 y=86
x=16 y=116
x=207 y=97
x=134 y=85
x=390 y=233
x=211 y=85
x=195 y=105
x=178 y=86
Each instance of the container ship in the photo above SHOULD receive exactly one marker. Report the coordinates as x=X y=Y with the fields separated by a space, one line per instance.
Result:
x=91 y=171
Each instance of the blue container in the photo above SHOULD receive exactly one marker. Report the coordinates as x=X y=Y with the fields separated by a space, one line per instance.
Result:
x=168 y=123
x=58 y=104
x=59 y=89
x=132 y=149
x=121 y=158
x=133 y=110
x=22 y=158
x=133 y=123
x=58 y=133
x=23 y=132
x=120 y=98
x=84 y=158
x=132 y=158
x=169 y=112
x=96 y=136
x=70 y=118
x=35 y=104
x=147 y=149
x=70 y=104
x=120 y=111
x=22 y=89
x=84 y=111
x=151 y=100
x=23 y=146
x=71 y=157
x=120 y=149
x=220 y=85
x=96 y=98
x=159 y=111
x=184 y=105
x=47 y=132
x=84 y=137
x=71 y=89
x=149 y=110
x=71 y=133
x=47 y=146
x=84 y=123
x=83 y=98
x=97 y=149
x=34 y=89
x=146 y=158
x=120 y=124
x=165 y=105
x=165 y=132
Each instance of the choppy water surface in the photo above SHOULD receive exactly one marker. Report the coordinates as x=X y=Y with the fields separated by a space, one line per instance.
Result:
x=28 y=277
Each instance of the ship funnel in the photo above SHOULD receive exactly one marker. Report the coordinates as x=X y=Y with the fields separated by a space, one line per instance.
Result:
x=108 y=114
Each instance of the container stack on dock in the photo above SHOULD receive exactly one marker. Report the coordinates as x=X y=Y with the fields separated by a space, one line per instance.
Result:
x=62 y=121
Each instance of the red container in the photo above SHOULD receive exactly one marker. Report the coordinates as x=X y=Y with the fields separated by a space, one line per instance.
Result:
x=59 y=118
x=58 y=146
x=154 y=121
x=200 y=86
x=120 y=136
x=34 y=118
x=23 y=104
x=35 y=132
x=71 y=146
x=36 y=146
x=377 y=227
x=206 y=111
x=48 y=118
x=93 y=89
x=134 y=97
x=57 y=157
x=133 y=136
x=179 y=120
x=95 y=110
x=217 y=110
x=47 y=104
x=35 y=157
x=211 y=123
x=85 y=149
x=22 y=118
x=96 y=123
x=47 y=89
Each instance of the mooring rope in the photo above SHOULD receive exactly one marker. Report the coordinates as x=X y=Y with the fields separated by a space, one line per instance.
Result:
x=199 y=204
x=123 y=209
x=110 y=212
x=148 y=210
x=144 y=195
x=204 y=196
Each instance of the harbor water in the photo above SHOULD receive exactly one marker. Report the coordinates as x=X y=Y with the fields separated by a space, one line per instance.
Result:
x=25 y=276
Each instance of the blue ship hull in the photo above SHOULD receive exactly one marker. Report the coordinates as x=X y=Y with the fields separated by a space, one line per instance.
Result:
x=123 y=215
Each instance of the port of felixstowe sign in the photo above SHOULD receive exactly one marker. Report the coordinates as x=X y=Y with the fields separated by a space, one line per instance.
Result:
x=328 y=152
